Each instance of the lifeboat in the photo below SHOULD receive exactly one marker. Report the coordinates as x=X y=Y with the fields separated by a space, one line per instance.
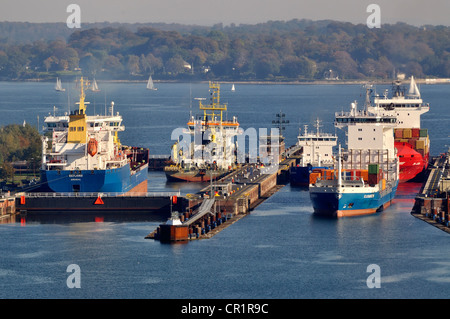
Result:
x=92 y=147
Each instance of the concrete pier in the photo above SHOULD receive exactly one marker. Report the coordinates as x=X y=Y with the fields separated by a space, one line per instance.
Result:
x=432 y=204
x=224 y=202
x=7 y=206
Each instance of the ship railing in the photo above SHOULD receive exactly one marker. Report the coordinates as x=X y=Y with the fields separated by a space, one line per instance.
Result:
x=99 y=194
x=344 y=178
x=55 y=165
x=353 y=181
x=356 y=179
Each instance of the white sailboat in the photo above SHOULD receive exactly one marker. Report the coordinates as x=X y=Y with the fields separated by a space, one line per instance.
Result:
x=413 y=89
x=233 y=88
x=150 y=85
x=94 y=86
x=58 y=86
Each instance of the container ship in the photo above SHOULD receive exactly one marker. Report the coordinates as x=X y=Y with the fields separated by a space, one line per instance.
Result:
x=364 y=179
x=412 y=141
x=84 y=154
x=211 y=150
x=317 y=153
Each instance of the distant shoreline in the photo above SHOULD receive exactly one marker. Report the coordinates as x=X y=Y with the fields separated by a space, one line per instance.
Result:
x=314 y=82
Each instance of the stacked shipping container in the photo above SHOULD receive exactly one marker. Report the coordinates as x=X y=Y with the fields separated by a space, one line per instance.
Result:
x=417 y=138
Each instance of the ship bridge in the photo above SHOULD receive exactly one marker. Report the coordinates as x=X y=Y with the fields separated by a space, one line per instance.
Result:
x=366 y=130
x=362 y=117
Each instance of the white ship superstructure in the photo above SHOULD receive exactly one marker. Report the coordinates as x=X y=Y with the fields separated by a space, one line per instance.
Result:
x=408 y=107
x=210 y=149
x=412 y=142
x=370 y=137
x=77 y=135
x=317 y=147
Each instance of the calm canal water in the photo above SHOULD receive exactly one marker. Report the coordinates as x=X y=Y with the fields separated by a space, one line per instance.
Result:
x=280 y=250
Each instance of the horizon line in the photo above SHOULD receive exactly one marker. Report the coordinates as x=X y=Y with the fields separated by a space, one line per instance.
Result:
x=230 y=24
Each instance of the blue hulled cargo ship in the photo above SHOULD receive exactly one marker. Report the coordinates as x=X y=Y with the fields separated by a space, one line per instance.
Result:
x=353 y=197
x=366 y=174
x=84 y=154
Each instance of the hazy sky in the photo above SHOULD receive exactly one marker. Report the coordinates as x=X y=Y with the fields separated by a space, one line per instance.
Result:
x=208 y=12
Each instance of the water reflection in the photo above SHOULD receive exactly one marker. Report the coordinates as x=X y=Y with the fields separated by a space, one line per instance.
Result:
x=8 y=219
x=43 y=218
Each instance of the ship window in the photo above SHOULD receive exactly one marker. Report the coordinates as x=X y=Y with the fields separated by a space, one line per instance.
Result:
x=360 y=129
x=359 y=138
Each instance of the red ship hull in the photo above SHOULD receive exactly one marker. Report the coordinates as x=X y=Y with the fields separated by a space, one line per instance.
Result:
x=412 y=162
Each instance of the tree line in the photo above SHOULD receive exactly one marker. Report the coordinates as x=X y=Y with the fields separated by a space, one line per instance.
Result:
x=276 y=50
x=19 y=143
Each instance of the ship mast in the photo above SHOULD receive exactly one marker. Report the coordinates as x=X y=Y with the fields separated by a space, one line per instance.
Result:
x=318 y=126
x=82 y=103
x=214 y=103
x=77 y=121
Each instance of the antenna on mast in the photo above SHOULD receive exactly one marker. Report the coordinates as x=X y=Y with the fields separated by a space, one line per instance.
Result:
x=190 y=100
x=280 y=121
x=318 y=126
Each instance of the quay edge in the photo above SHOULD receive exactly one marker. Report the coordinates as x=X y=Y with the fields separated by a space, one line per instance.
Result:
x=432 y=203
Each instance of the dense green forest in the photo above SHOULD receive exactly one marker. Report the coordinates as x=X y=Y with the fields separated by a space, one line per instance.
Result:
x=18 y=143
x=277 y=50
